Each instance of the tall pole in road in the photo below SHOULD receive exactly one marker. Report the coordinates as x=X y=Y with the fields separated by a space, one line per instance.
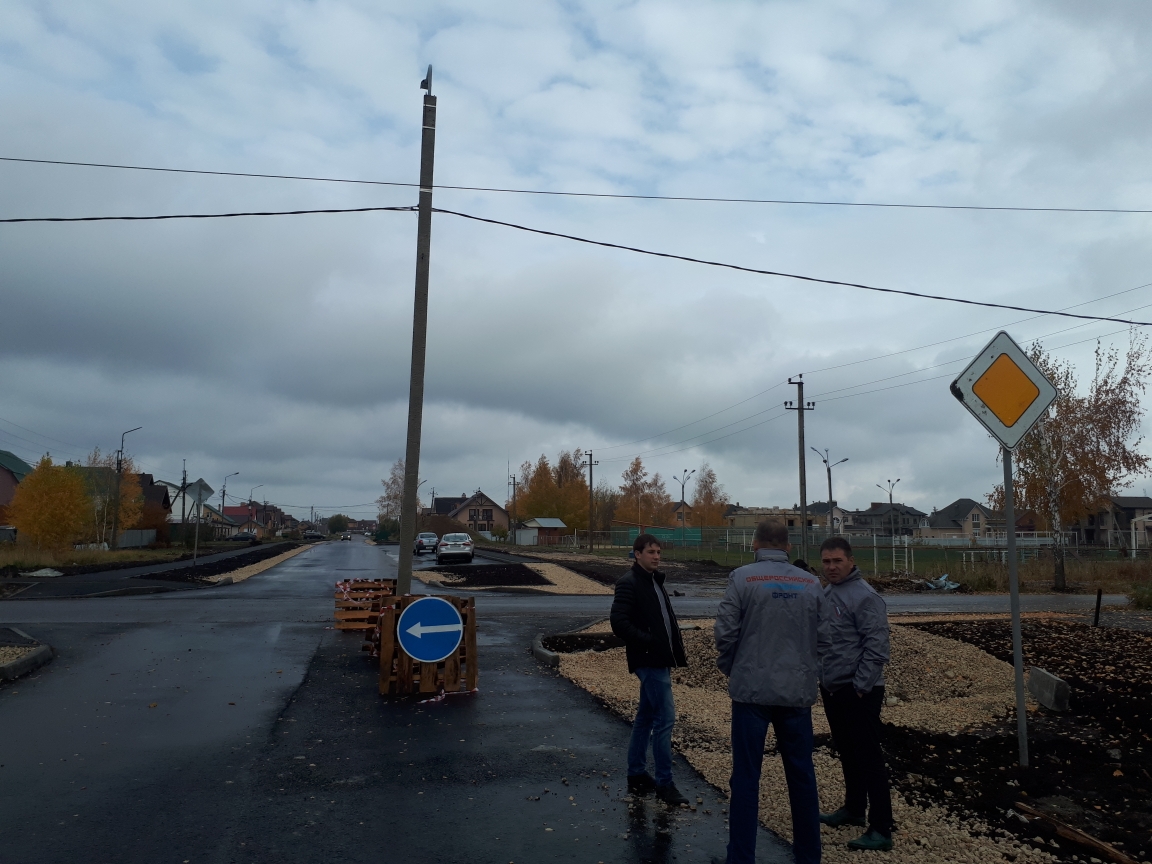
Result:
x=1014 y=607
x=589 y=465
x=115 y=544
x=419 y=343
x=824 y=457
x=800 y=406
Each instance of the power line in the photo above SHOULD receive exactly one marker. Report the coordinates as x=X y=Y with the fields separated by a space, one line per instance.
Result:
x=206 y=215
x=605 y=195
x=783 y=275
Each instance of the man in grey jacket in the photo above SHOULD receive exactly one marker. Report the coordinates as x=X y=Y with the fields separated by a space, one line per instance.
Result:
x=852 y=689
x=771 y=630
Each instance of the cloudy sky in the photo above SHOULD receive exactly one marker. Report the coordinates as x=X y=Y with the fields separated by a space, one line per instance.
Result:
x=279 y=347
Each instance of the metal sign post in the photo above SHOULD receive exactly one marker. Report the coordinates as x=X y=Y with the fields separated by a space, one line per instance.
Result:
x=1007 y=393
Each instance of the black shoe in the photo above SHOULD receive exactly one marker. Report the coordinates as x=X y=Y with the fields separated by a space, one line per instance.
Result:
x=716 y=860
x=640 y=784
x=871 y=840
x=670 y=795
x=841 y=817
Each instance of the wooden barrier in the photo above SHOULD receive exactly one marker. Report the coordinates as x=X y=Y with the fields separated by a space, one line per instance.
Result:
x=358 y=602
x=400 y=674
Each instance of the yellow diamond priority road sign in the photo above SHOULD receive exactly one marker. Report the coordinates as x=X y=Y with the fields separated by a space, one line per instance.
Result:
x=1004 y=390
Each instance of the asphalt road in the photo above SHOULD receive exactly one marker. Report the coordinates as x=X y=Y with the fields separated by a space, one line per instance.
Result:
x=231 y=725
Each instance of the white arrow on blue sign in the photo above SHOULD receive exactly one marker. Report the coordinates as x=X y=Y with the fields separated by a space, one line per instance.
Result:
x=430 y=629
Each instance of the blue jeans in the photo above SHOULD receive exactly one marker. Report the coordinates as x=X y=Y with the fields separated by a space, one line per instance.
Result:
x=654 y=719
x=794 y=742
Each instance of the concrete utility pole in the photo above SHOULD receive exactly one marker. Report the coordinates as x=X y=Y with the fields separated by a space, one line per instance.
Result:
x=589 y=464
x=223 y=490
x=115 y=544
x=419 y=343
x=184 y=505
x=512 y=480
x=800 y=406
x=824 y=457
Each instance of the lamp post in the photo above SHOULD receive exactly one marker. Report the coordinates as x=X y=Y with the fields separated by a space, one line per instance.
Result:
x=683 y=480
x=223 y=490
x=891 y=517
x=115 y=544
x=824 y=457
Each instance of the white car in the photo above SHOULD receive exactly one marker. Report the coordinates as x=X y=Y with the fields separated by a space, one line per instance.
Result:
x=454 y=546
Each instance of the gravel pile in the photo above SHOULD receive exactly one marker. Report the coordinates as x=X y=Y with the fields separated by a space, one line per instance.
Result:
x=8 y=653
x=932 y=700
x=260 y=566
x=564 y=581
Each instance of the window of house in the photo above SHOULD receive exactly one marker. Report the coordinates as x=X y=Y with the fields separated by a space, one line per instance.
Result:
x=473 y=515
x=487 y=516
x=975 y=519
x=791 y=523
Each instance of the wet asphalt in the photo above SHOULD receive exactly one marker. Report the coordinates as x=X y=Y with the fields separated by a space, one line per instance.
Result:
x=231 y=725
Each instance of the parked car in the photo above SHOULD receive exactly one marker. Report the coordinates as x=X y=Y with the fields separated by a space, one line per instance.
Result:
x=347 y=535
x=242 y=536
x=454 y=546
x=312 y=535
x=425 y=542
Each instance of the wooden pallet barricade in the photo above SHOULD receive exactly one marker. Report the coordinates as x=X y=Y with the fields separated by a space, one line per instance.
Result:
x=400 y=674
x=358 y=602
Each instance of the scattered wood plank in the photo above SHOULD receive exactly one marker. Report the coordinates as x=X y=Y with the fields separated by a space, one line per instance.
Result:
x=1076 y=835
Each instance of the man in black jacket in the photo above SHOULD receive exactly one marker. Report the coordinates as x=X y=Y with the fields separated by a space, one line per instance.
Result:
x=642 y=616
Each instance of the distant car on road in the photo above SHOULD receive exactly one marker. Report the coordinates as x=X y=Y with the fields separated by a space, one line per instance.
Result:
x=425 y=542
x=242 y=536
x=454 y=546
x=312 y=535
x=347 y=535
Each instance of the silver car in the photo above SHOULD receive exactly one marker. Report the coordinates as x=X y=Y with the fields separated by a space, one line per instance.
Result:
x=454 y=546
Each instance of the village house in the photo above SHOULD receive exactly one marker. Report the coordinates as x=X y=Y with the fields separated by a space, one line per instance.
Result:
x=479 y=512
x=962 y=518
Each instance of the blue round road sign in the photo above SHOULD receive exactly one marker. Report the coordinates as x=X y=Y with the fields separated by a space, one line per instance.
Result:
x=430 y=629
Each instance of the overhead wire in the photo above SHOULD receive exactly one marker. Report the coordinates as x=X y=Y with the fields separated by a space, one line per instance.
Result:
x=406 y=209
x=604 y=195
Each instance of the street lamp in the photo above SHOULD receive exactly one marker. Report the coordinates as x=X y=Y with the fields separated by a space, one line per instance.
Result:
x=683 y=480
x=115 y=544
x=891 y=514
x=824 y=457
x=224 y=489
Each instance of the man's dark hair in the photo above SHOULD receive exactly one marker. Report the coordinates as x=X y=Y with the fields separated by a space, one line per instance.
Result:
x=644 y=541
x=837 y=543
x=772 y=532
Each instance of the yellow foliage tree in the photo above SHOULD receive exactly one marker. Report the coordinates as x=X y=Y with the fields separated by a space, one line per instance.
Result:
x=643 y=498
x=50 y=507
x=558 y=491
x=709 y=500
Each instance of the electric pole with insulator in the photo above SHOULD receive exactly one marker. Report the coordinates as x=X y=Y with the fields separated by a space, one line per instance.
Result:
x=419 y=343
x=589 y=464
x=800 y=407
x=115 y=544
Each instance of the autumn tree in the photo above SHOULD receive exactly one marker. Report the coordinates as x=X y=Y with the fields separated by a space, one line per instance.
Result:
x=337 y=524
x=1085 y=447
x=50 y=506
x=606 y=498
x=99 y=474
x=642 y=497
x=559 y=491
x=392 y=501
x=709 y=500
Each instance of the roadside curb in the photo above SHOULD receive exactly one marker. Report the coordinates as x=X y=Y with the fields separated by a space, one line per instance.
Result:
x=548 y=658
x=30 y=661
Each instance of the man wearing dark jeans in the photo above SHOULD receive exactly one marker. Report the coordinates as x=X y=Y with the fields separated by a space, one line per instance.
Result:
x=852 y=689
x=642 y=616
x=771 y=629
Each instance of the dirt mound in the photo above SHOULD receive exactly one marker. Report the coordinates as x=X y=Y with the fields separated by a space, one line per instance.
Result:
x=489 y=576
x=201 y=571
